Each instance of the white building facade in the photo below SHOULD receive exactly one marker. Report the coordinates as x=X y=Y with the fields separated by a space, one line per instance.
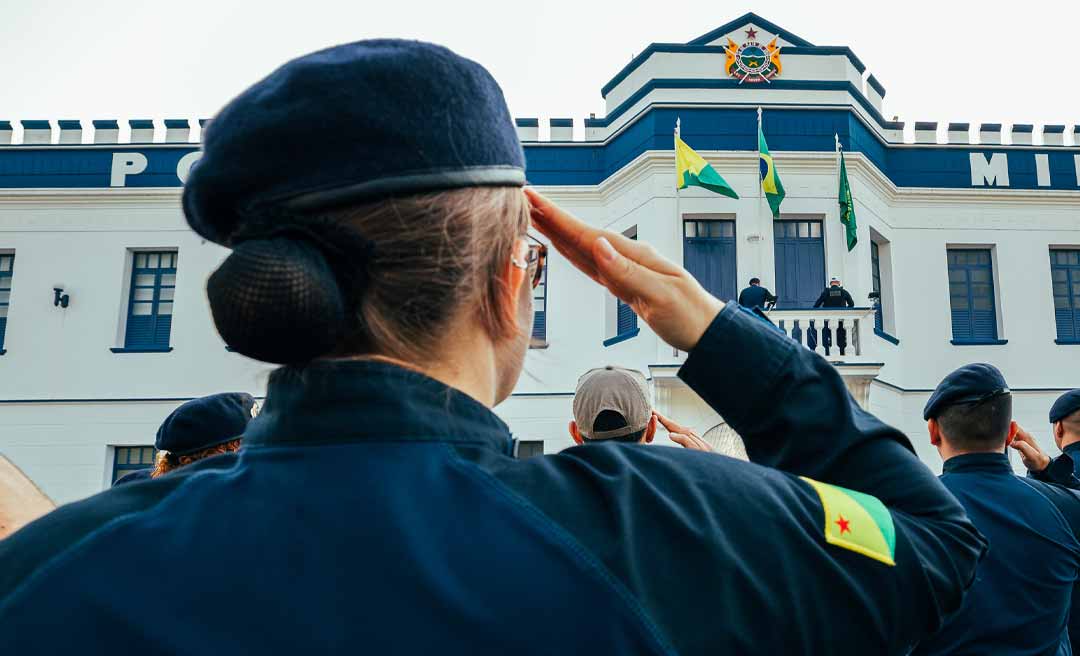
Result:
x=970 y=237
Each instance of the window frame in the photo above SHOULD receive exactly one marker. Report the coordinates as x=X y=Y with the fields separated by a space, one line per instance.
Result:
x=971 y=338
x=620 y=310
x=121 y=466
x=6 y=277
x=1072 y=283
x=156 y=301
x=535 y=340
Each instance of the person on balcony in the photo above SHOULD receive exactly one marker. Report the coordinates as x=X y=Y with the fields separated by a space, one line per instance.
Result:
x=756 y=296
x=834 y=296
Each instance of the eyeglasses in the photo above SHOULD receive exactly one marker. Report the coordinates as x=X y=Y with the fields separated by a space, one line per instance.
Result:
x=535 y=257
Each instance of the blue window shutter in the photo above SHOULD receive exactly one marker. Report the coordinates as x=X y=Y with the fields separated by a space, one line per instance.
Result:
x=799 y=252
x=1065 y=282
x=626 y=319
x=7 y=269
x=150 y=301
x=971 y=294
x=709 y=256
x=539 y=329
x=875 y=272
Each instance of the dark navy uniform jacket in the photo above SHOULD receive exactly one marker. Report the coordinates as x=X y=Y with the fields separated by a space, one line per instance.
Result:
x=375 y=510
x=1065 y=470
x=834 y=297
x=755 y=296
x=1022 y=594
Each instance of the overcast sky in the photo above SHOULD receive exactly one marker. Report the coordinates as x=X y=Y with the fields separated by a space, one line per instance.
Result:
x=942 y=60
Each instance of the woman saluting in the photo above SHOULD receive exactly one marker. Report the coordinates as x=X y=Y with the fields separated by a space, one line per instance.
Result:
x=371 y=196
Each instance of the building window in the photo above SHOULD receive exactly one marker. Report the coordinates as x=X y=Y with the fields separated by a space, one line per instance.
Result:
x=539 y=329
x=127 y=459
x=528 y=448
x=799 y=250
x=971 y=294
x=620 y=317
x=1065 y=276
x=150 y=302
x=709 y=255
x=875 y=274
x=7 y=268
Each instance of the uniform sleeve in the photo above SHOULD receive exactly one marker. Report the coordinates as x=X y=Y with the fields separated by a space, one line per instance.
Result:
x=1060 y=472
x=820 y=299
x=794 y=413
x=742 y=297
x=847 y=299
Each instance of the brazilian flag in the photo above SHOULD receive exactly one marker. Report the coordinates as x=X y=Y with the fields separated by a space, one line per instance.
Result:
x=770 y=179
x=692 y=169
x=847 y=207
x=857 y=522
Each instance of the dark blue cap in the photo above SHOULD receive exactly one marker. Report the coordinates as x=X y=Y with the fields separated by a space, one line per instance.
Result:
x=353 y=123
x=971 y=383
x=202 y=423
x=1067 y=403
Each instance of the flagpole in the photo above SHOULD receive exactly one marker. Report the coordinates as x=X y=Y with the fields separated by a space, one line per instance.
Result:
x=678 y=212
x=761 y=228
x=844 y=257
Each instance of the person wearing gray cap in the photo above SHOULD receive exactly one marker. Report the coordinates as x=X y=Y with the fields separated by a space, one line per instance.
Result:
x=1020 y=602
x=611 y=404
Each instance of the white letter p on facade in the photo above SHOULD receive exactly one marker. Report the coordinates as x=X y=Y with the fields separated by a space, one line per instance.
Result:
x=125 y=164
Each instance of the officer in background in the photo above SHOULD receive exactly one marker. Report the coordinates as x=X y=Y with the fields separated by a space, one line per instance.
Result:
x=1065 y=427
x=756 y=296
x=1020 y=602
x=383 y=260
x=834 y=296
x=202 y=428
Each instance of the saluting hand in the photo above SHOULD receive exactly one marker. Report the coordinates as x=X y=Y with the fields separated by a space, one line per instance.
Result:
x=680 y=434
x=663 y=294
x=1030 y=453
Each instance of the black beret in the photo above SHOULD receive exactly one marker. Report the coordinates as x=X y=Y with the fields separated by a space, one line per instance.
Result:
x=356 y=122
x=971 y=383
x=1067 y=403
x=202 y=423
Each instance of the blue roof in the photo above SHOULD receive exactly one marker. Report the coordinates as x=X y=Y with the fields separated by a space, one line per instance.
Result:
x=141 y=124
x=925 y=125
x=1023 y=127
x=750 y=17
x=70 y=125
x=1053 y=129
x=562 y=122
x=957 y=127
x=177 y=123
x=35 y=125
x=990 y=127
x=527 y=122
x=106 y=124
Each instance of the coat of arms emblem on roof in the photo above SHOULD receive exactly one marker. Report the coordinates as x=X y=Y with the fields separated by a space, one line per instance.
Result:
x=753 y=61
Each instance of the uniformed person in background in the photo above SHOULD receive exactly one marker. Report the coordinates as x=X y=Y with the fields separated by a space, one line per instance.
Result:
x=202 y=428
x=756 y=296
x=1022 y=595
x=372 y=197
x=1065 y=427
x=834 y=296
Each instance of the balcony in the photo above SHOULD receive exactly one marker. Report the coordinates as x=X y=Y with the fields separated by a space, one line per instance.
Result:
x=843 y=336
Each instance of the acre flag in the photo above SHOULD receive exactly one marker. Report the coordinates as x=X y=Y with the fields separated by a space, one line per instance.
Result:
x=692 y=169
x=847 y=206
x=770 y=179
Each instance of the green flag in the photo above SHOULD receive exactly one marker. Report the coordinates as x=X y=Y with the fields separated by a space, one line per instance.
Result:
x=847 y=206
x=770 y=178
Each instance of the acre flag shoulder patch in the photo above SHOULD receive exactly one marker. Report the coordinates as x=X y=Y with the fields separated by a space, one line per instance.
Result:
x=856 y=521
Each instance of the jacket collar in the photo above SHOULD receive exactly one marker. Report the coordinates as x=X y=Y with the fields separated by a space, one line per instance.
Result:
x=1072 y=449
x=341 y=401
x=978 y=462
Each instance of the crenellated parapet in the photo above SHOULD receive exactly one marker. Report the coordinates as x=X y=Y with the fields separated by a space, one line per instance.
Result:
x=69 y=132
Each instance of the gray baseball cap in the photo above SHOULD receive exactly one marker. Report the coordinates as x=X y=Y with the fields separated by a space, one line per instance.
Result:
x=624 y=391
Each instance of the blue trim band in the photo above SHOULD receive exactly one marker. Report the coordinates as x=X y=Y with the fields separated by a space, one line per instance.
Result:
x=990 y=127
x=1024 y=127
x=163 y=349
x=562 y=122
x=978 y=342
x=1053 y=129
x=873 y=82
x=141 y=124
x=177 y=123
x=621 y=338
x=527 y=122
x=751 y=18
x=886 y=336
x=35 y=125
x=70 y=125
x=5 y=125
x=106 y=124
x=925 y=125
